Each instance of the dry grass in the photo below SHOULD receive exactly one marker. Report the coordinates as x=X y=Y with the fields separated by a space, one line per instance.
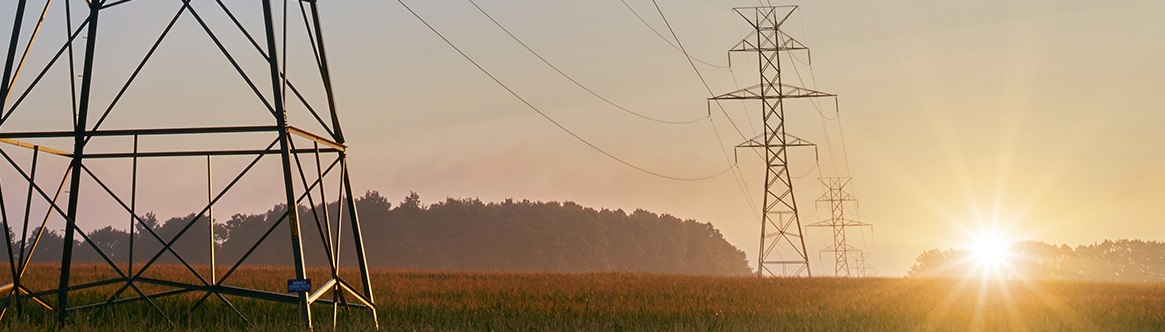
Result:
x=410 y=300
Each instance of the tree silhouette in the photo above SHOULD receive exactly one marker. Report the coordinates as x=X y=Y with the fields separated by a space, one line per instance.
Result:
x=1123 y=260
x=454 y=234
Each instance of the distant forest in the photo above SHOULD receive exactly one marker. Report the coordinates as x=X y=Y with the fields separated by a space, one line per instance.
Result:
x=455 y=234
x=1123 y=260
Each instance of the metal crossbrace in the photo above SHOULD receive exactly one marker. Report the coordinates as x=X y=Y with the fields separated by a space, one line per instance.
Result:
x=70 y=228
x=284 y=145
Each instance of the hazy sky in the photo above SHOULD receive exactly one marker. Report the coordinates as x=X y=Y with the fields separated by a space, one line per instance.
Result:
x=1041 y=117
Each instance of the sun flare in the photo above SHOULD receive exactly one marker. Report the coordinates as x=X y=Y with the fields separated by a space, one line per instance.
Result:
x=991 y=252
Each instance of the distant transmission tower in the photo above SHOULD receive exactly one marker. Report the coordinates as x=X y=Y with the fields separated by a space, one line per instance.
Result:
x=305 y=164
x=782 y=245
x=837 y=197
x=865 y=267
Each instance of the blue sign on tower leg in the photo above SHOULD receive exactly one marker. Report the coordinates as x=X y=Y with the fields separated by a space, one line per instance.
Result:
x=298 y=285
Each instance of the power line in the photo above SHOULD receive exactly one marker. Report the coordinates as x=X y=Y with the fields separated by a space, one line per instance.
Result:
x=710 y=93
x=752 y=127
x=737 y=175
x=844 y=150
x=668 y=41
x=816 y=166
x=836 y=107
x=543 y=114
x=841 y=133
x=714 y=3
x=813 y=79
x=571 y=79
x=697 y=70
x=738 y=178
x=736 y=83
x=836 y=104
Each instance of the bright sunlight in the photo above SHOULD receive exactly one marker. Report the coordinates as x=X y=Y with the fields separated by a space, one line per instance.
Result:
x=991 y=253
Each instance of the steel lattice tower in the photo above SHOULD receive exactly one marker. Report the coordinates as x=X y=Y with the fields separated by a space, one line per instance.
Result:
x=311 y=161
x=836 y=198
x=865 y=267
x=781 y=234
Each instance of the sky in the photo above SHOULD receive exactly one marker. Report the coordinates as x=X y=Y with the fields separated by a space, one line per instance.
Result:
x=1035 y=120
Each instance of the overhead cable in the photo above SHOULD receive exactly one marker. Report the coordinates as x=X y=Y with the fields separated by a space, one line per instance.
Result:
x=571 y=79
x=697 y=70
x=547 y=117
x=680 y=45
x=737 y=175
x=668 y=41
x=718 y=5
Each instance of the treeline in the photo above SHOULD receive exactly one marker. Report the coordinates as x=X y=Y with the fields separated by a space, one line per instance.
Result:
x=1123 y=260
x=455 y=234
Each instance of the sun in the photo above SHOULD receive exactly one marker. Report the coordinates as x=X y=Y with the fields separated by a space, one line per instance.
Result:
x=991 y=253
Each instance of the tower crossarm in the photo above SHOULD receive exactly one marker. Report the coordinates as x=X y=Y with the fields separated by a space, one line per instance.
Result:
x=771 y=91
x=839 y=223
x=843 y=197
x=790 y=141
x=750 y=44
x=848 y=249
x=766 y=17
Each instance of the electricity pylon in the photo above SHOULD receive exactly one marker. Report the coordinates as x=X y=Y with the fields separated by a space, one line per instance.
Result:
x=837 y=198
x=782 y=243
x=865 y=267
x=265 y=136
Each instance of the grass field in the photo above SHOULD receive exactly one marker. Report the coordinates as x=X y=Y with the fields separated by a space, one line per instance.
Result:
x=425 y=301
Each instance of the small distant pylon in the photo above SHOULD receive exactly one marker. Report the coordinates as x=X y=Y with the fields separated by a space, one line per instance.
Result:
x=837 y=197
x=864 y=268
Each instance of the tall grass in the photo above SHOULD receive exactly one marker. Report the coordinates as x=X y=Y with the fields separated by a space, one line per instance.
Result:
x=479 y=301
